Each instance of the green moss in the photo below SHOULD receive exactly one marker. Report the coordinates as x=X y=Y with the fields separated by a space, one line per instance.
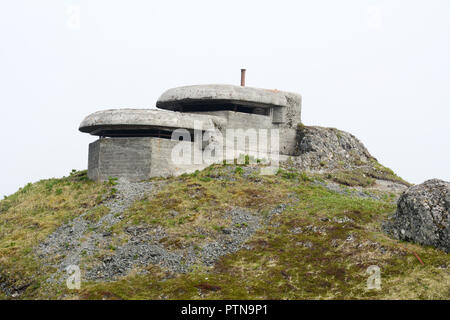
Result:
x=303 y=253
x=281 y=264
x=301 y=127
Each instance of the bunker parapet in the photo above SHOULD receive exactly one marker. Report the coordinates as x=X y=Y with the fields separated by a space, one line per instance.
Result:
x=137 y=144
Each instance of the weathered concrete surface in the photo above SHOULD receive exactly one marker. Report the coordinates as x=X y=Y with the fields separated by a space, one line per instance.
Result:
x=263 y=98
x=288 y=141
x=239 y=120
x=137 y=151
x=246 y=122
x=120 y=158
x=117 y=119
x=163 y=155
x=141 y=158
x=137 y=158
x=292 y=112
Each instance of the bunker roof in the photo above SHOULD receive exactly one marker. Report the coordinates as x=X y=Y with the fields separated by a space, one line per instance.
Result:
x=121 y=120
x=172 y=99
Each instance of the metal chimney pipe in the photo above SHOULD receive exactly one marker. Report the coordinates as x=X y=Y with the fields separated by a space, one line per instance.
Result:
x=243 y=77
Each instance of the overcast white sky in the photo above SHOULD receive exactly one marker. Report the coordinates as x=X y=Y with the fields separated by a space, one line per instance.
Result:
x=378 y=69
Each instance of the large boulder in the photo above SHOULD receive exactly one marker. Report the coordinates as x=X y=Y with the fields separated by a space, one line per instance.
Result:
x=319 y=148
x=422 y=215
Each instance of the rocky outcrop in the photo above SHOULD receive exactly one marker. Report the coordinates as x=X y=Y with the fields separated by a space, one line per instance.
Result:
x=423 y=215
x=338 y=153
x=319 y=147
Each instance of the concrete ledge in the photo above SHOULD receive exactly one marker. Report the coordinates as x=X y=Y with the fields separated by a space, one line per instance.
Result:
x=120 y=119
x=256 y=97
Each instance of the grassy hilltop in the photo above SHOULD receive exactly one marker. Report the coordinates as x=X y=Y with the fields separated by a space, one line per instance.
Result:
x=298 y=236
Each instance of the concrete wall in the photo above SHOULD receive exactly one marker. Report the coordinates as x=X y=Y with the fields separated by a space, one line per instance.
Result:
x=288 y=141
x=293 y=110
x=278 y=115
x=140 y=158
x=120 y=158
x=93 y=161
x=162 y=161
x=137 y=158
x=241 y=120
x=287 y=129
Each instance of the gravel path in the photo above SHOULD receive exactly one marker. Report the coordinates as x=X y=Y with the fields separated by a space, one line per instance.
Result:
x=82 y=237
x=144 y=248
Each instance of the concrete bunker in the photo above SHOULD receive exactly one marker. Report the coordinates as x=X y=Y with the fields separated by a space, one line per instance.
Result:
x=136 y=144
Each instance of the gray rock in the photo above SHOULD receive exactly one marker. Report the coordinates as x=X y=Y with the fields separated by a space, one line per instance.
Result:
x=422 y=215
x=226 y=231
x=320 y=148
x=144 y=247
x=342 y=220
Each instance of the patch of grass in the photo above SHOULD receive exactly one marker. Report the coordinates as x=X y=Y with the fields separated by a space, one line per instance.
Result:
x=293 y=175
x=202 y=204
x=96 y=214
x=278 y=264
x=218 y=228
x=246 y=159
x=111 y=181
x=352 y=178
x=78 y=176
x=31 y=214
x=303 y=253
x=381 y=172
x=287 y=174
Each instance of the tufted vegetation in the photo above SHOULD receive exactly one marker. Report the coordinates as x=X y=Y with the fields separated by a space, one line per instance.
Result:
x=319 y=247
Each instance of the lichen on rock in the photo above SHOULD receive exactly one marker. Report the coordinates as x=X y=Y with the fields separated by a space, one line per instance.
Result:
x=319 y=147
x=422 y=215
x=329 y=150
